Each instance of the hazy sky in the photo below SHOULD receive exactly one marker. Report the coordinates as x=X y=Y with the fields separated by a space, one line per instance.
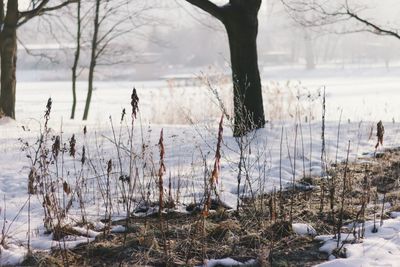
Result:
x=186 y=33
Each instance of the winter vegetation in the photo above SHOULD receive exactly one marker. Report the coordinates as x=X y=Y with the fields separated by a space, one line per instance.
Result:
x=199 y=133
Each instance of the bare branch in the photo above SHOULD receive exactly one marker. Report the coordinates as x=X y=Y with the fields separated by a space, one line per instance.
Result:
x=208 y=7
x=323 y=16
x=42 y=8
x=375 y=28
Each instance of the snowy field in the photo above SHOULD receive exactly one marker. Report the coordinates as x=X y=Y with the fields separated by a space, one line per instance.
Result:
x=362 y=95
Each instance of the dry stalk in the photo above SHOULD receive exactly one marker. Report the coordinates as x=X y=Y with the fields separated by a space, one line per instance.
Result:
x=161 y=172
x=323 y=131
x=344 y=190
x=294 y=175
x=108 y=203
x=380 y=131
x=212 y=182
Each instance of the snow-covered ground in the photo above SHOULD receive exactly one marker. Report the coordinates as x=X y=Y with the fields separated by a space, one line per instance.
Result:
x=376 y=249
x=363 y=96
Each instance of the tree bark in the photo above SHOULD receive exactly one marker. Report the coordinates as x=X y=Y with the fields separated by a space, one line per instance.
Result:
x=76 y=59
x=241 y=23
x=93 y=59
x=1 y=26
x=240 y=20
x=8 y=48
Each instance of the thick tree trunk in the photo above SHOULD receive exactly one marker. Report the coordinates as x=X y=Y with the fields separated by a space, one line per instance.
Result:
x=8 y=47
x=241 y=24
x=1 y=26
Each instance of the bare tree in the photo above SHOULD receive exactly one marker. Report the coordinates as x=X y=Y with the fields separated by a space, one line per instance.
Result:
x=113 y=20
x=10 y=19
x=241 y=23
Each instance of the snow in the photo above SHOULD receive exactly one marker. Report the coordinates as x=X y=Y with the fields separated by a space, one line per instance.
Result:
x=11 y=255
x=364 y=95
x=226 y=262
x=86 y=232
x=118 y=229
x=376 y=249
x=304 y=229
x=395 y=214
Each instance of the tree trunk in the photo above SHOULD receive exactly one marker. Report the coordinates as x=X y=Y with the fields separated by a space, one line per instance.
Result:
x=8 y=47
x=241 y=24
x=89 y=94
x=76 y=59
x=93 y=59
x=309 y=51
x=1 y=26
